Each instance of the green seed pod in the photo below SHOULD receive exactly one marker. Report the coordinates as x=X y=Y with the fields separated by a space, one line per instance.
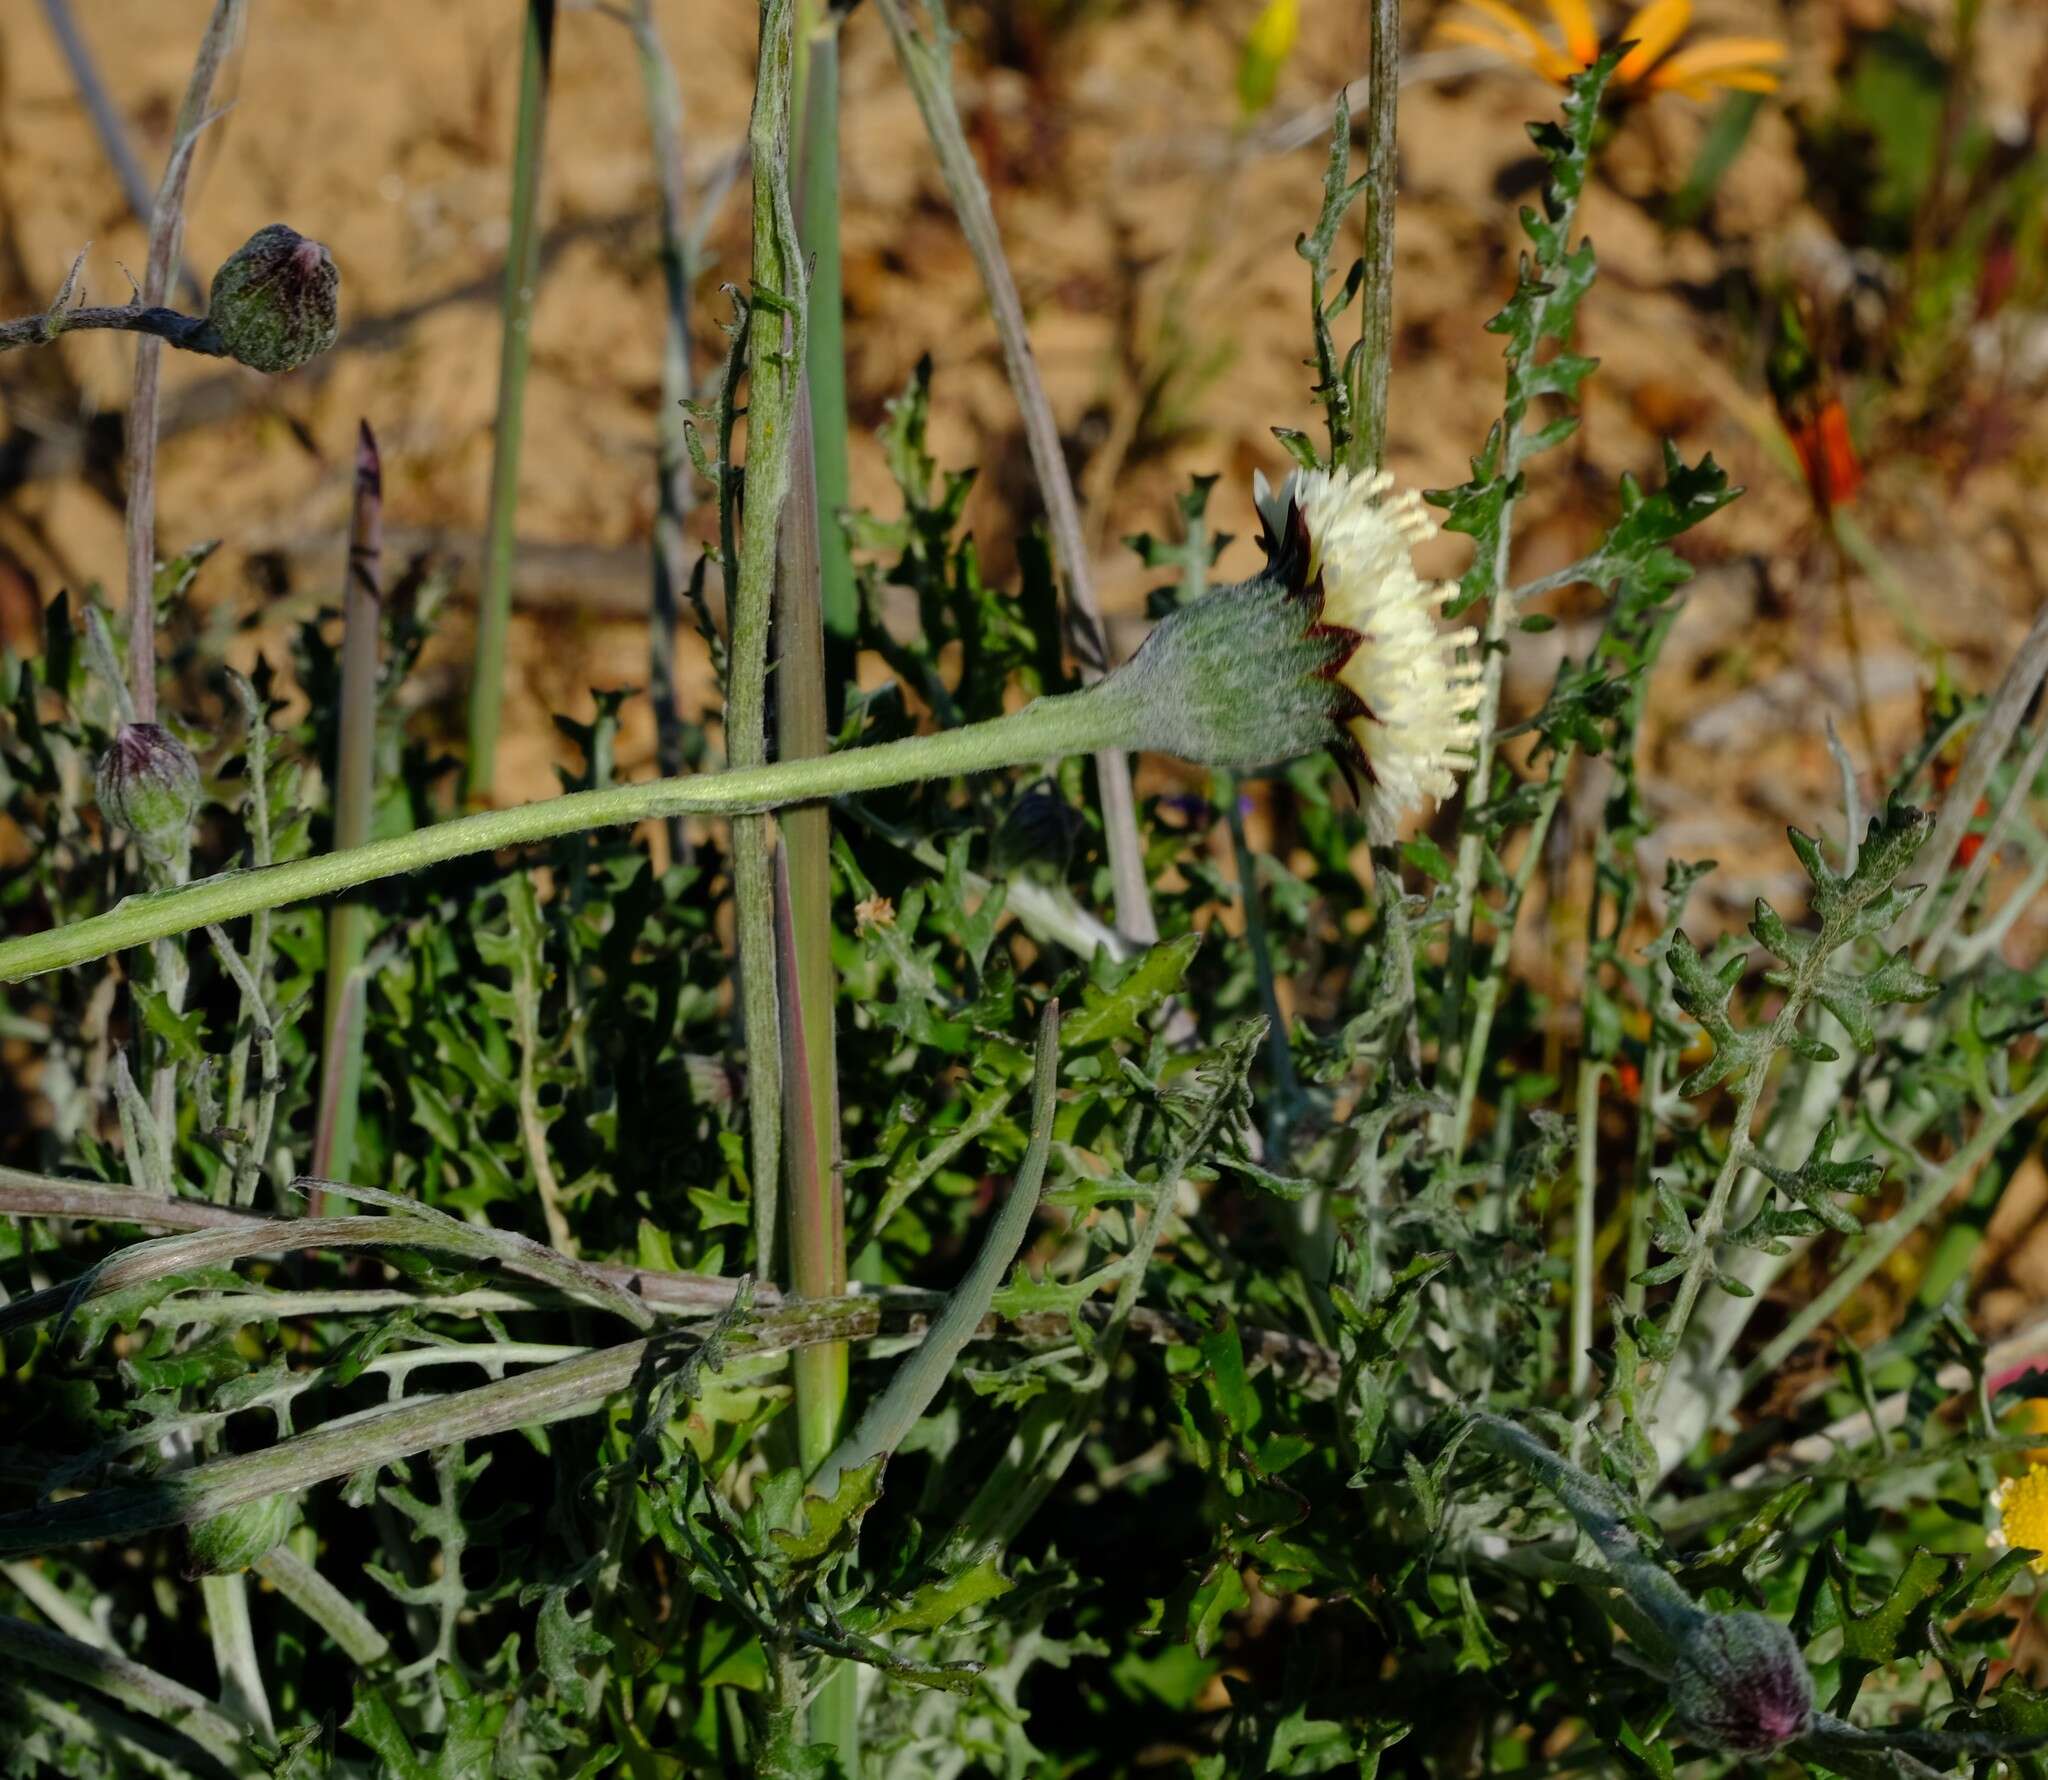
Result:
x=1740 y=1684
x=275 y=301
x=148 y=784
x=233 y=1541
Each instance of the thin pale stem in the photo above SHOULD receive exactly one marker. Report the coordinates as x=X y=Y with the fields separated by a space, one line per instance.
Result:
x=254 y=979
x=55 y=1605
x=1486 y=992
x=515 y=352
x=166 y=229
x=106 y=116
x=255 y=1009
x=1584 y=1228
x=927 y=65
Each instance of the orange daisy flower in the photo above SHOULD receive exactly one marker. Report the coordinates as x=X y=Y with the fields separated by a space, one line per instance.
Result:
x=1742 y=64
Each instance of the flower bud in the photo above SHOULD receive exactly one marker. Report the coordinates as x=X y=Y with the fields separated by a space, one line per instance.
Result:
x=148 y=783
x=274 y=301
x=1740 y=1684
x=233 y=1541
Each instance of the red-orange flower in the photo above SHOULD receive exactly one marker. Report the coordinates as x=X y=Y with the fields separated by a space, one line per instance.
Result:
x=1828 y=455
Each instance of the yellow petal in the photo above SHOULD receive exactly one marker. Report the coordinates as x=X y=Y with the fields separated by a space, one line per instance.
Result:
x=1542 y=55
x=1716 y=56
x=1486 y=38
x=1575 y=20
x=1654 y=29
x=1736 y=80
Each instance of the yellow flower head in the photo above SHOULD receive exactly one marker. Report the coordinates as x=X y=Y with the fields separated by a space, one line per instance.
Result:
x=1744 y=64
x=2022 y=1504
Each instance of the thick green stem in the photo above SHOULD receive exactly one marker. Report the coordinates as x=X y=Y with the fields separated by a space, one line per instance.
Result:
x=825 y=357
x=1376 y=315
x=522 y=276
x=808 y=983
x=888 y=1420
x=775 y=350
x=809 y=987
x=348 y=926
x=1048 y=729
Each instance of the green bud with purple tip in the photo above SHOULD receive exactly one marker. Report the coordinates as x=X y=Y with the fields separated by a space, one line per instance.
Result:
x=148 y=784
x=276 y=300
x=1740 y=1684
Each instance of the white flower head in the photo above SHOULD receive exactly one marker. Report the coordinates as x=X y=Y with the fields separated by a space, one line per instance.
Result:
x=1345 y=543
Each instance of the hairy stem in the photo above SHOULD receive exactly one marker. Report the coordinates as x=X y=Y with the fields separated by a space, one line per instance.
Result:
x=1047 y=729
x=326 y=1606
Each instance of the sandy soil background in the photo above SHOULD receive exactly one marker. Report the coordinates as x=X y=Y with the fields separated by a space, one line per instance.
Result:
x=1153 y=238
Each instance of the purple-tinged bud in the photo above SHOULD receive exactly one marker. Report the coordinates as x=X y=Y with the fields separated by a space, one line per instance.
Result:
x=276 y=300
x=148 y=783
x=1741 y=1685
